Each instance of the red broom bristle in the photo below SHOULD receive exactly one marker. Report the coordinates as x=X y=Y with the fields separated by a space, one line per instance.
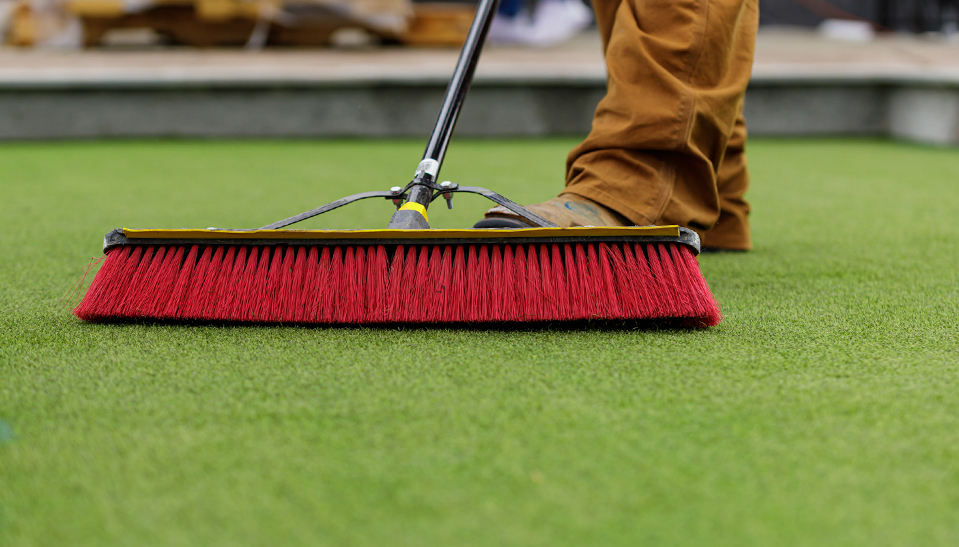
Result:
x=195 y=283
x=709 y=314
x=441 y=273
x=552 y=307
x=270 y=298
x=326 y=312
x=519 y=274
x=234 y=261
x=126 y=269
x=192 y=306
x=307 y=260
x=317 y=287
x=575 y=304
x=103 y=281
x=682 y=303
x=248 y=284
x=284 y=302
x=290 y=310
x=479 y=285
x=356 y=274
x=471 y=302
x=257 y=294
x=252 y=283
x=587 y=307
x=435 y=286
x=558 y=284
x=663 y=290
x=205 y=302
x=360 y=284
x=244 y=274
x=126 y=308
x=223 y=288
x=496 y=284
x=507 y=293
x=636 y=282
x=419 y=290
x=126 y=287
x=111 y=294
x=180 y=286
x=547 y=290
x=165 y=282
x=377 y=276
x=85 y=309
x=668 y=282
x=610 y=297
x=460 y=290
x=624 y=299
x=394 y=296
x=628 y=275
x=341 y=275
x=598 y=306
x=364 y=256
x=647 y=257
x=676 y=275
x=427 y=283
x=697 y=307
x=534 y=287
x=139 y=299
x=404 y=311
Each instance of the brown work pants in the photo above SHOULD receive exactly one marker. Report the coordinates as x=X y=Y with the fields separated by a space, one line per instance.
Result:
x=667 y=143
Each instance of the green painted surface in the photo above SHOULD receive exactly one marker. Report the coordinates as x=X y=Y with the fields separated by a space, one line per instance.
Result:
x=823 y=411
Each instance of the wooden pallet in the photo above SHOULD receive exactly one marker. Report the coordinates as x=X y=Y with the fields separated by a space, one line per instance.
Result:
x=22 y=29
x=439 y=24
x=208 y=23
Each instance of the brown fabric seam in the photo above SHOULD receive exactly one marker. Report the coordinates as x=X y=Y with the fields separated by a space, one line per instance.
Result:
x=687 y=78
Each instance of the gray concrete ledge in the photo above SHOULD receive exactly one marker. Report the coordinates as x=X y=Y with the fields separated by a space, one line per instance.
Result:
x=921 y=112
x=904 y=89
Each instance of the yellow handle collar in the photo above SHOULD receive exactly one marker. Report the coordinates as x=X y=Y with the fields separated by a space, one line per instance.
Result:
x=413 y=206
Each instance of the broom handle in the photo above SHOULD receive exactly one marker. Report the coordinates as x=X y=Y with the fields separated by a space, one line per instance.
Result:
x=412 y=215
x=460 y=83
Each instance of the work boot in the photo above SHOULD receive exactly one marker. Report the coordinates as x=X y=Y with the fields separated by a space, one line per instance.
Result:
x=570 y=210
x=565 y=211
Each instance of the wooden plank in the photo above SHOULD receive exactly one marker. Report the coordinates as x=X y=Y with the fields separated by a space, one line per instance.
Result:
x=438 y=24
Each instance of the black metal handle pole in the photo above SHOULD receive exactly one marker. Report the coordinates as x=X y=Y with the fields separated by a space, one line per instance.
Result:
x=461 y=80
x=413 y=214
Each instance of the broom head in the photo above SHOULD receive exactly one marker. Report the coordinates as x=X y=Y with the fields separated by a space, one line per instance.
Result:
x=402 y=276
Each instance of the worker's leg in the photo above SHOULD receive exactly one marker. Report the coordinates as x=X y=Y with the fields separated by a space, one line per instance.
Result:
x=604 y=11
x=731 y=231
x=678 y=71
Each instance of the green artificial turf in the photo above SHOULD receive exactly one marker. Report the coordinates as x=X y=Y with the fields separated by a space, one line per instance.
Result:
x=824 y=410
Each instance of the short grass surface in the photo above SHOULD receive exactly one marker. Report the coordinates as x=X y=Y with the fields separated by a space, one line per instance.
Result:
x=824 y=410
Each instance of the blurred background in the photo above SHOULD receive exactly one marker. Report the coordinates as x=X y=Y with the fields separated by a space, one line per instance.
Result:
x=377 y=68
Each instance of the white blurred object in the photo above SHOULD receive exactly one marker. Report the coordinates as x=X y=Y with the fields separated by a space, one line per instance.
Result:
x=507 y=30
x=7 y=8
x=69 y=35
x=847 y=30
x=556 y=21
x=553 y=22
x=352 y=38
x=950 y=23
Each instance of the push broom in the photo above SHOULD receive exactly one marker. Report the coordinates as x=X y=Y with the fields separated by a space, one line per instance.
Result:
x=406 y=273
